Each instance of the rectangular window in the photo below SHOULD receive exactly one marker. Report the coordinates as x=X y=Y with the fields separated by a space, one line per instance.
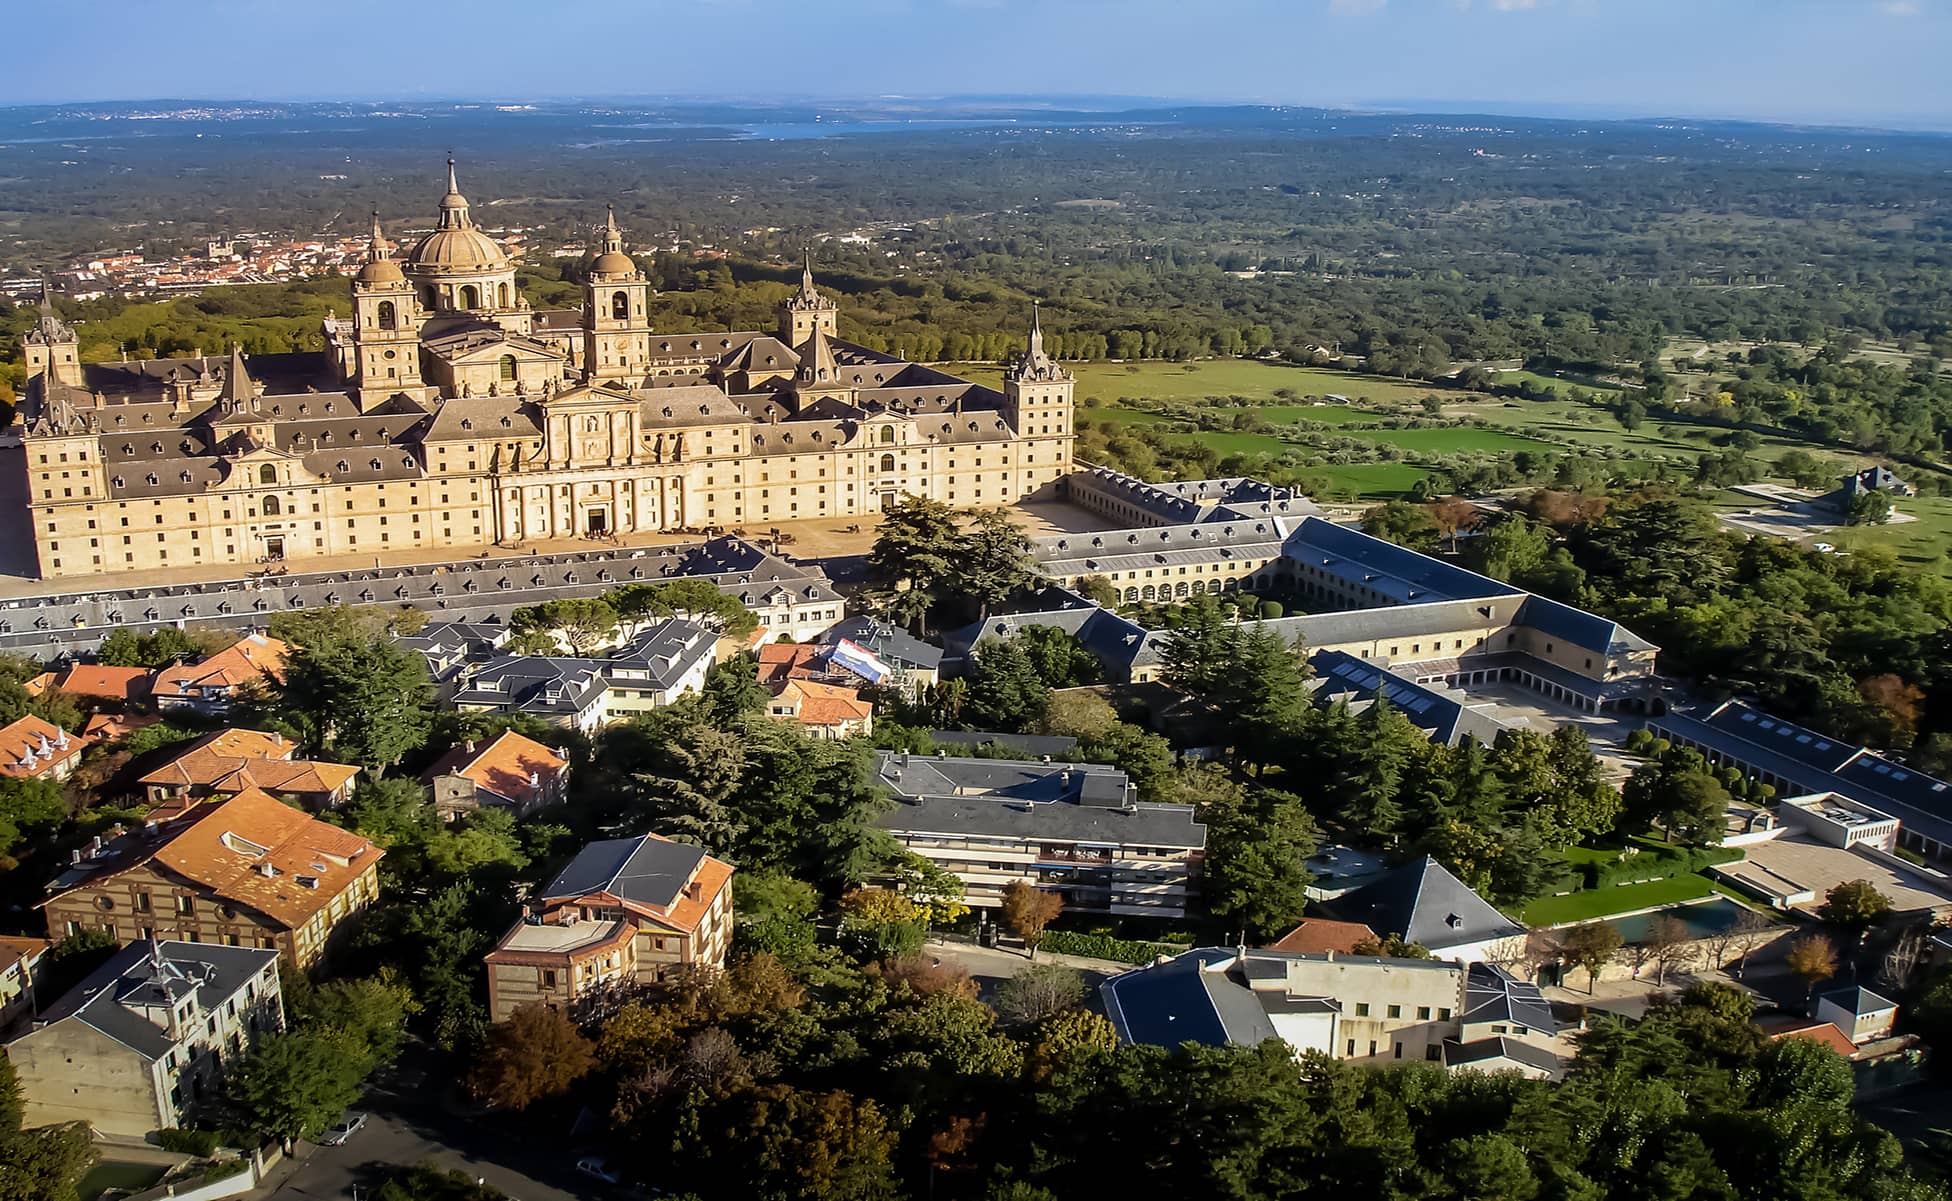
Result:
x=1423 y=1013
x=1362 y=1009
x=1395 y=1011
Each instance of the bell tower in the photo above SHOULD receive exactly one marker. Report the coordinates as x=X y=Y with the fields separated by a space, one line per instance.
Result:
x=806 y=311
x=1037 y=394
x=52 y=346
x=386 y=326
x=616 y=312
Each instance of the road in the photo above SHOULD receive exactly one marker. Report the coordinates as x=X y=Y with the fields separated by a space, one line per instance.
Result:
x=410 y=1123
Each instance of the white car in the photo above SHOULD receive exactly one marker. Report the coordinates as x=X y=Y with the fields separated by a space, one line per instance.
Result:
x=343 y=1130
x=594 y=1167
x=1824 y=548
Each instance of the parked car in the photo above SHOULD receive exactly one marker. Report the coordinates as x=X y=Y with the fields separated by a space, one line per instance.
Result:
x=344 y=1129
x=594 y=1167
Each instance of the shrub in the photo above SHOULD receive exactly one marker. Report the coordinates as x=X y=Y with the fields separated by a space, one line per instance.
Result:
x=1104 y=946
x=200 y=1143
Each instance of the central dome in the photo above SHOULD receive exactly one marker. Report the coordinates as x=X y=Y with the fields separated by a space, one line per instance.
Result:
x=458 y=249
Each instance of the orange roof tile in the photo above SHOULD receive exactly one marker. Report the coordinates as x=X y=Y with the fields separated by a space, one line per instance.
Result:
x=503 y=766
x=252 y=850
x=206 y=765
x=1822 y=1032
x=96 y=682
x=1316 y=935
x=825 y=704
x=14 y=949
x=781 y=661
x=252 y=657
x=32 y=747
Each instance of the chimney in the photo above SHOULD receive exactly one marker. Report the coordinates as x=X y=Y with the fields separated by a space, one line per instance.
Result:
x=468 y=746
x=535 y=779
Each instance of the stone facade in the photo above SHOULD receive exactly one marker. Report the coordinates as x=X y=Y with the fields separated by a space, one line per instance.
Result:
x=445 y=412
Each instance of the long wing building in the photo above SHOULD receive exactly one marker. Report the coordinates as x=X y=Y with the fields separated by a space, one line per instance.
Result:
x=445 y=412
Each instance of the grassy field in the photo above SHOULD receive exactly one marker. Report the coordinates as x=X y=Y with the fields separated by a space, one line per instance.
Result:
x=1590 y=903
x=1368 y=481
x=1453 y=440
x=1923 y=543
x=1214 y=377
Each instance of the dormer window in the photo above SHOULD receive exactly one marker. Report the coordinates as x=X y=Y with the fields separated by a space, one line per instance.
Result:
x=375 y=464
x=344 y=466
x=153 y=481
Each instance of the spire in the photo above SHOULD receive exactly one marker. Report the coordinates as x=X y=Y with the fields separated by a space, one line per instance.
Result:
x=1036 y=365
x=378 y=249
x=454 y=206
x=237 y=381
x=817 y=363
x=51 y=327
x=613 y=238
x=806 y=273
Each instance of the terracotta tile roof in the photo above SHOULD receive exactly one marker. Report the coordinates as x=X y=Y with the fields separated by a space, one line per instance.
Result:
x=13 y=949
x=32 y=747
x=1822 y=1032
x=252 y=657
x=1316 y=935
x=107 y=727
x=781 y=661
x=824 y=704
x=504 y=766
x=227 y=846
x=94 y=682
x=234 y=760
x=249 y=744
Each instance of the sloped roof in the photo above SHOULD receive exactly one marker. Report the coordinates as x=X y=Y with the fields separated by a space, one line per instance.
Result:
x=824 y=704
x=30 y=746
x=1189 y=998
x=205 y=766
x=1492 y=994
x=1423 y=903
x=782 y=661
x=1858 y=1001
x=503 y=766
x=252 y=657
x=95 y=681
x=251 y=849
x=1499 y=1050
x=145 y=973
x=647 y=874
x=1316 y=935
x=1819 y=1032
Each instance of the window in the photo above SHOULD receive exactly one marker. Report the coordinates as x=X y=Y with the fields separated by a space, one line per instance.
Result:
x=620 y=306
x=1423 y=1013
x=1433 y=1052
x=470 y=297
x=505 y=368
x=1352 y=1049
x=186 y=905
x=887 y=463
x=1399 y=1050
x=503 y=292
x=887 y=435
x=1395 y=1011
x=271 y=508
x=548 y=977
x=1362 y=1009
x=385 y=315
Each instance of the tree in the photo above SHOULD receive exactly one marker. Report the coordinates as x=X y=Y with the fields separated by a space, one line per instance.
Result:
x=732 y=689
x=586 y=624
x=1066 y=1037
x=298 y=1083
x=777 y=1143
x=1027 y=910
x=1005 y=691
x=1452 y=515
x=1591 y=946
x=1082 y=715
x=1814 y=959
x=1751 y=930
x=697 y=600
x=1403 y=523
x=1060 y=659
x=1667 y=944
x=915 y=554
x=880 y=923
x=1038 y=992
x=1854 y=906
x=1871 y=506
x=364 y=700
x=1256 y=875
x=536 y=1054
x=992 y=560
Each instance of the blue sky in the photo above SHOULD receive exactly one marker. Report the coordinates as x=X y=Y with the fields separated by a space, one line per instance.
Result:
x=1881 y=61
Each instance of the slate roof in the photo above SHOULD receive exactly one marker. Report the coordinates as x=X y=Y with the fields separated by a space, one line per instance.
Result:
x=1858 y=1001
x=1402 y=575
x=545 y=685
x=1588 y=631
x=132 y=976
x=887 y=641
x=1423 y=903
x=1443 y=718
x=1483 y=1051
x=1002 y=798
x=649 y=875
x=1189 y=998
x=1492 y=994
x=663 y=653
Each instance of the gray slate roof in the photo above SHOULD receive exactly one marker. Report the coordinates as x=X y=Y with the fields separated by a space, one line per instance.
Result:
x=1858 y=1001
x=132 y=976
x=1423 y=903
x=888 y=642
x=1492 y=994
x=1498 y=1046
x=1189 y=998
x=650 y=871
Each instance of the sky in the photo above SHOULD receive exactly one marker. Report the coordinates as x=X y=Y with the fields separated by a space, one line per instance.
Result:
x=1829 y=61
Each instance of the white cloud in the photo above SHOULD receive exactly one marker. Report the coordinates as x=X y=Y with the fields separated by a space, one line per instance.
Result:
x=1355 y=6
x=1900 y=8
x=1513 y=6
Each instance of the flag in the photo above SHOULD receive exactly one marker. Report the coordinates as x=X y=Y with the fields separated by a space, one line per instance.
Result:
x=859 y=661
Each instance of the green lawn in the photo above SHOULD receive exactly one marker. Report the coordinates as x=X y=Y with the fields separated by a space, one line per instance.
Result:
x=109 y=1173
x=1591 y=903
x=1923 y=543
x=1450 y=440
x=1368 y=481
x=1213 y=377
x=1113 y=415
x=1282 y=414
x=1228 y=443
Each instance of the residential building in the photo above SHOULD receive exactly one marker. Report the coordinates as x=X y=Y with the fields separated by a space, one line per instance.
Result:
x=1864 y=1016
x=625 y=912
x=1317 y=935
x=510 y=771
x=36 y=749
x=210 y=687
x=900 y=660
x=95 y=684
x=227 y=762
x=136 y=1046
x=444 y=411
x=20 y=959
x=1076 y=829
x=246 y=870
x=1421 y=902
x=823 y=710
x=652 y=669
x=1359 y=1009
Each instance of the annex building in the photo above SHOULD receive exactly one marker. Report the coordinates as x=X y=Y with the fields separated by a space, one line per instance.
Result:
x=445 y=412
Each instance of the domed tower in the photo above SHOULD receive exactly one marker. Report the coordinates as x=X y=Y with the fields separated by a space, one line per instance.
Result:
x=807 y=310
x=386 y=325
x=52 y=344
x=1037 y=390
x=459 y=270
x=616 y=311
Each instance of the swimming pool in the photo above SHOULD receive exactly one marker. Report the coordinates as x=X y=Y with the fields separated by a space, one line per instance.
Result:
x=1702 y=918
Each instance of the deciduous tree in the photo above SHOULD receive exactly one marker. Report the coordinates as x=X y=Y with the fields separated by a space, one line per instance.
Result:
x=536 y=1054
x=1027 y=910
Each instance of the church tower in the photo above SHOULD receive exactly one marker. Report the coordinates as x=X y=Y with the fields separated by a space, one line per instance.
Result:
x=386 y=326
x=616 y=312
x=52 y=344
x=807 y=310
x=1037 y=390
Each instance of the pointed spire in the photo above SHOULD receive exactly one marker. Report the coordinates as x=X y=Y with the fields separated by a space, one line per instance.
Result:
x=378 y=247
x=806 y=272
x=817 y=363
x=237 y=381
x=613 y=238
x=454 y=206
x=50 y=326
x=1036 y=364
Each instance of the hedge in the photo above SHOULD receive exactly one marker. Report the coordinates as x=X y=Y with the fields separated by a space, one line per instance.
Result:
x=1655 y=865
x=1104 y=946
x=200 y=1143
